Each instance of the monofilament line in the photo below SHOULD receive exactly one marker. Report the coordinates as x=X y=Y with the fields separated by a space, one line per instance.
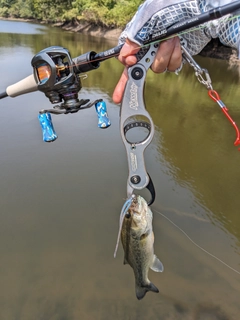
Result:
x=198 y=246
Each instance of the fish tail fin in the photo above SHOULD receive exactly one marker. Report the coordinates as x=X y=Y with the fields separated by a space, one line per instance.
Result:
x=142 y=290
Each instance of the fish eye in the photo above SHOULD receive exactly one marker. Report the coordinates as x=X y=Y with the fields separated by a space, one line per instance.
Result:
x=127 y=215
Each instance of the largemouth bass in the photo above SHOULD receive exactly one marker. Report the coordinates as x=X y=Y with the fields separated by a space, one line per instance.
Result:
x=137 y=239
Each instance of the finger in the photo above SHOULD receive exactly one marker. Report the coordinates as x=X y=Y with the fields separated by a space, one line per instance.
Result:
x=130 y=60
x=176 y=57
x=163 y=55
x=127 y=53
x=119 y=90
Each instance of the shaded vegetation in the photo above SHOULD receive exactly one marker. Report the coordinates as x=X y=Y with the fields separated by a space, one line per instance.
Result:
x=110 y=13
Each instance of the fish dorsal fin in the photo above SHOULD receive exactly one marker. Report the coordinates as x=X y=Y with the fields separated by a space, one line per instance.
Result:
x=157 y=265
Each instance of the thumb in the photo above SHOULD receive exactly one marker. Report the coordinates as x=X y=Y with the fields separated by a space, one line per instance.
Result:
x=129 y=48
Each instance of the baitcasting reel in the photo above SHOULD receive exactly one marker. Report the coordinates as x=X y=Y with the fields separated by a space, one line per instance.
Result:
x=57 y=75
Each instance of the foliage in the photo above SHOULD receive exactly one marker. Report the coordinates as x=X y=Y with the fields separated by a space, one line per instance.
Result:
x=124 y=11
x=115 y=13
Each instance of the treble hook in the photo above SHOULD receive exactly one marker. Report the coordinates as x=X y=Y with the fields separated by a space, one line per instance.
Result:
x=215 y=97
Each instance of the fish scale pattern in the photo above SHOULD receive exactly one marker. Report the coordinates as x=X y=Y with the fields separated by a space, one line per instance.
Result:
x=227 y=28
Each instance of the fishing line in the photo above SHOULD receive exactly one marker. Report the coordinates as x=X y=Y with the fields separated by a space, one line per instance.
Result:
x=202 y=26
x=198 y=246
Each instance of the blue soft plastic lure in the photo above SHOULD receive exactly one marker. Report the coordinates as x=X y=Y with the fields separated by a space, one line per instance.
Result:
x=124 y=210
x=48 y=131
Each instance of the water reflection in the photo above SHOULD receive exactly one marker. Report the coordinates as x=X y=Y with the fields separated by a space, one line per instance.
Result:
x=60 y=202
x=21 y=27
x=198 y=141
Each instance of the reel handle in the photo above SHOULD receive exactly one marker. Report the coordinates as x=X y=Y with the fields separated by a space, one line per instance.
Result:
x=49 y=134
x=103 y=119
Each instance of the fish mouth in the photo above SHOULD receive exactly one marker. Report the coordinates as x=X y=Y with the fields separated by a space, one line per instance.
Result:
x=134 y=205
x=138 y=204
x=136 y=210
x=135 y=199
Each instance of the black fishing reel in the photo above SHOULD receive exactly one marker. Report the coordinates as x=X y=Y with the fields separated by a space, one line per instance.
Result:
x=58 y=76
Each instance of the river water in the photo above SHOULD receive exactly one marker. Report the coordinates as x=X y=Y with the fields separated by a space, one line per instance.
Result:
x=60 y=202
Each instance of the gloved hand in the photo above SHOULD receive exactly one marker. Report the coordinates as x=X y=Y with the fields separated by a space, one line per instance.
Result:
x=153 y=16
x=227 y=28
x=168 y=57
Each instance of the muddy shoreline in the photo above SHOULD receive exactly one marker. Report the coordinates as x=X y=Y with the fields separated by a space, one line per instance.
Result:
x=91 y=29
x=77 y=26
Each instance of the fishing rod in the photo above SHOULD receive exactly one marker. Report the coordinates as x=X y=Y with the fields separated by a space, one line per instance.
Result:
x=57 y=75
x=90 y=61
x=178 y=27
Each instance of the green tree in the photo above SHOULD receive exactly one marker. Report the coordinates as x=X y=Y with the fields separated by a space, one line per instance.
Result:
x=103 y=12
x=22 y=9
x=5 y=5
x=49 y=10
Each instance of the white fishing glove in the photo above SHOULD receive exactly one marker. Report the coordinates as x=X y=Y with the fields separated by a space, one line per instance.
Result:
x=154 y=15
x=227 y=28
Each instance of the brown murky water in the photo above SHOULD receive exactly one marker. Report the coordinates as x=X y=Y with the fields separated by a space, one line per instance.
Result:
x=60 y=202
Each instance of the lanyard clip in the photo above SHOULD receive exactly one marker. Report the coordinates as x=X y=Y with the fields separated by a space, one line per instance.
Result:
x=201 y=74
x=204 y=78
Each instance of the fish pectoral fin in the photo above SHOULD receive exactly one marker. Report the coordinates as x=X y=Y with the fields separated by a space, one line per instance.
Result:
x=142 y=290
x=125 y=261
x=157 y=265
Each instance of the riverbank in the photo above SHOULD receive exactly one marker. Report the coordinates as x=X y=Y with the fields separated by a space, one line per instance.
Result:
x=213 y=50
x=93 y=30
x=78 y=26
